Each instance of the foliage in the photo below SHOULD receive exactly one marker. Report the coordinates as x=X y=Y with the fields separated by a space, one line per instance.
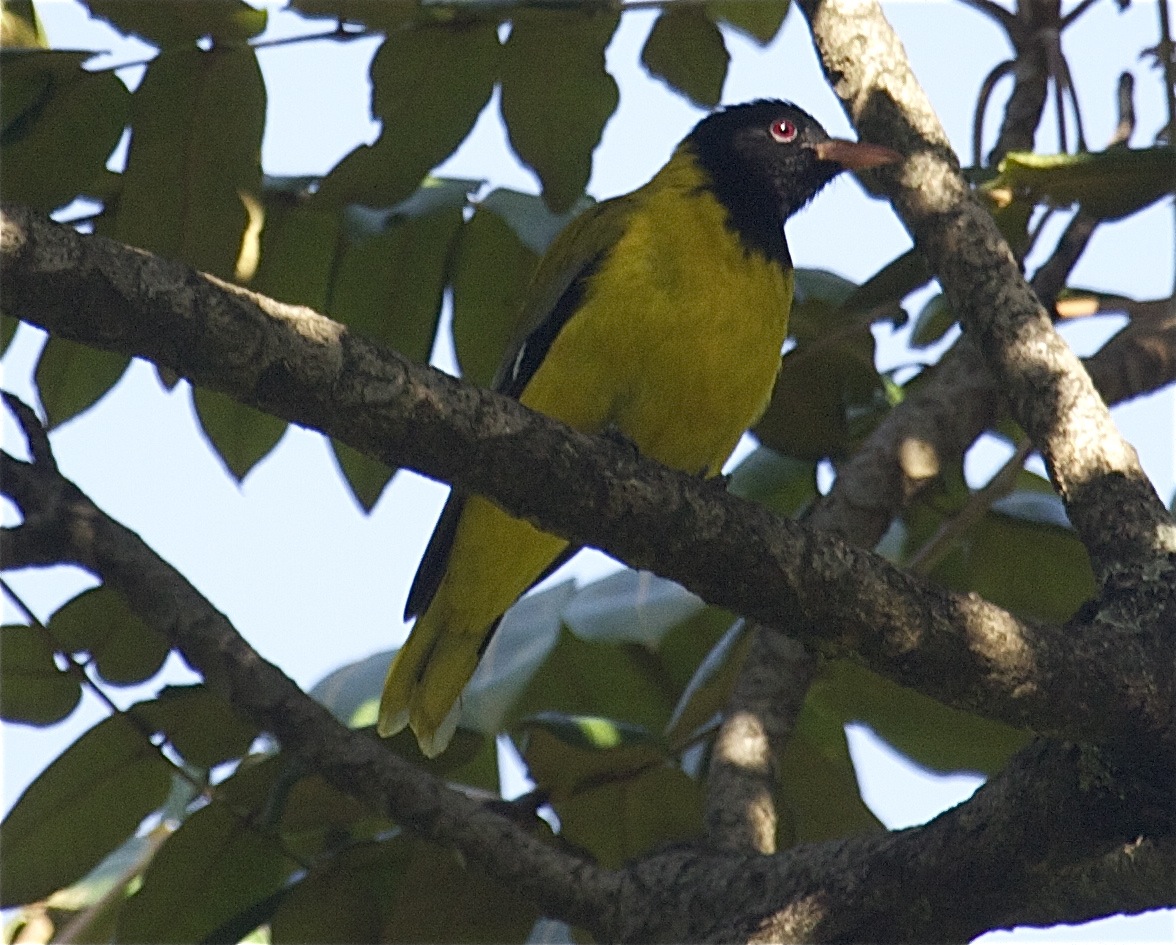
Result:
x=197 y=827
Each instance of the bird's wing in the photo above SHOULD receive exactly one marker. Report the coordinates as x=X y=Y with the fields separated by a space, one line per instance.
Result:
x=555 y=293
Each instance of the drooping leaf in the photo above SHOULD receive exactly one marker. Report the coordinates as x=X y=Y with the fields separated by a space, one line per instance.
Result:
x=172 y=24
x=390 y=286
x=557 y=95
x=935 y=736
x=199 y=724
x=214 y=867
x=782 y=483
x=108 y=780
x=72 y=377
x=495 y=259
x=932 y=322
x=241 y=436
x=1109 y=185
x=759 y=19
x=58 y=125
x=299 y=247
x=817 y=794
x=366 y=477
x=401 y=890
x=8 y=327
x=429 y=84
x=708 y=690
x=378 y=15
x=615 y=792
x=629 y=607
x=124 y=650
x=33 y=690
x=196 y=126
x=685 y=49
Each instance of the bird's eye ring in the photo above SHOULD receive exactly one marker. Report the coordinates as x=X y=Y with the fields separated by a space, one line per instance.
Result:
x=782 y=130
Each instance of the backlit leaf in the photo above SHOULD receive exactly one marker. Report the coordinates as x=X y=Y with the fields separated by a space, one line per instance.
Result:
x=72 y=377
x=686 y=50
x=759 y=19
x=108 y=780
x=33 y=690
x=169 y=24
x=124 y=650
x=240 y=435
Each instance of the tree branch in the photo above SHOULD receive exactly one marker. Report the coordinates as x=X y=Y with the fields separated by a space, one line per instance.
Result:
x=307 y=369
x=1049 y=393
x=62 y=525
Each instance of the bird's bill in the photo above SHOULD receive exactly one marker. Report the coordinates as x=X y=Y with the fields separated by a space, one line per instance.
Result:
x=855 y=155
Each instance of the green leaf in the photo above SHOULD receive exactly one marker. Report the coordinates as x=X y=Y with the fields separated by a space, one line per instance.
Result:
x=926 y=731
x=8 y=327
x=782 y=483
x=78 y=809
x=828 y=396
x=817 y=794
x=214 y=867
x=378 y=15
x=629 y=607
x=429 y=84
x=685 y=49
x=402 y=890
x=366 y=477
x=171 y=24
x=390 y=286
x=32 y=689
x=199 y=723
x=299 y=249
x=813 y=285
x=933 y=321
x=615 y=792
x=494 y=261
x=491 y=270
x=759 y=19
x=707 y=693
x=196 y=125
x=1109 y=185
x=124 y=650
x=72 y=378
x=241 y=436
x=1021 y=554
x=890 y=285
x=60 y=123
x=557 y=95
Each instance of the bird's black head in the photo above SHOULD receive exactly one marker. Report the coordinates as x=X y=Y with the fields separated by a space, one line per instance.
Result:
x=766 y=160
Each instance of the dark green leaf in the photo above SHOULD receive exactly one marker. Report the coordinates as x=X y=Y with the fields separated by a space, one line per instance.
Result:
x=818 y=796
x=828 y=396
x=707 y=693
x=299 y=248
x=79 y=809
x=72 y=377
x=8 y=327
x=32 y=689
x=125 y=650
x=60 y=124
x=378 y=15
x=616 y=793
x=1109 y=185
x=429 y=84
x=759 y=19
x=365 y=476
x=171 y=24
x=402 y=890
x=196 y=126
x=215 y=866
x=930 y=733
x=890 y=285
x=557 y=95
x=199 y=723
x=782 y=483
x=241 y=436
x=933 y=321
x=390 y=286
x=686 y=50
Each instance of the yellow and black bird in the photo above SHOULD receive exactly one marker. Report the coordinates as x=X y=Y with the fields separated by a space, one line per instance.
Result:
x=660 y=314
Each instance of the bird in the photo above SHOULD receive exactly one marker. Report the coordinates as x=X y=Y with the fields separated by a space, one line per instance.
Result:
x=658 y=315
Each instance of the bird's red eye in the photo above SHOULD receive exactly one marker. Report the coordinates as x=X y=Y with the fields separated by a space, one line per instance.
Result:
x=783 y=130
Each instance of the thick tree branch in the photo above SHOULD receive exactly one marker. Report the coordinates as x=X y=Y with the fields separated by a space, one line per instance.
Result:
x=1049 y=393
x=62 y=525
x=307 y=369
x=1055 y=811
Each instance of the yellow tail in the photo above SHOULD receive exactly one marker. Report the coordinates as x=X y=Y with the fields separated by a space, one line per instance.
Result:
x=424 y=684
